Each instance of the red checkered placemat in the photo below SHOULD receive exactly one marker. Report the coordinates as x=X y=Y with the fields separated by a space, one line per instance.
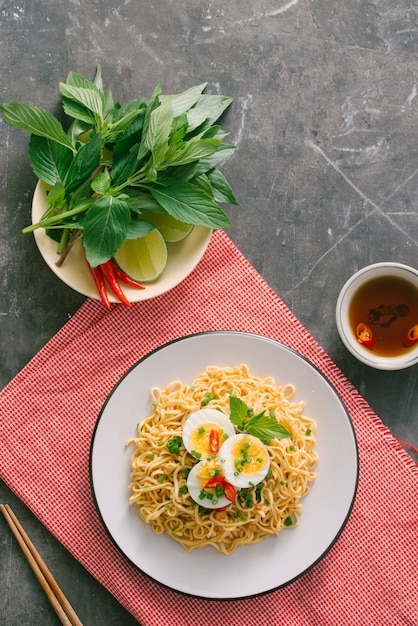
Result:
x=49 y=410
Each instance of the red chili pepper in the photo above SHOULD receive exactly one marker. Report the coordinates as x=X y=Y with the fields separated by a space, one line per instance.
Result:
x=229 y=491
x=214 y=482
x=411 y=336
x=98 y=278
x=365 y=335
x=109 y=274
x=214 y=441
x=124 y=277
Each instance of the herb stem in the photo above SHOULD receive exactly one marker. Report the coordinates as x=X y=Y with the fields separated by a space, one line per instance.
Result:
x=56 y=219
x=71 y=241
x=63 y=241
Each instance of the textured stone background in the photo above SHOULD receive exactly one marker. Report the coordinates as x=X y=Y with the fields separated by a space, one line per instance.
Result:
x=325 y=122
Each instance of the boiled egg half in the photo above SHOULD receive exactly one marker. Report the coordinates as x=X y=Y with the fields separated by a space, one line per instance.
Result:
x=244 y=460
x=199 y=475
x=197 y=432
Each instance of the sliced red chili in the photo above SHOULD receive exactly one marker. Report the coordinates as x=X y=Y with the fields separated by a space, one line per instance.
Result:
x=214 y=482
x=214 y=441
x=124 y=277
x=229 y=491
x=364 y=335
x=110 y=276
x=411 y=336
x=98 y=278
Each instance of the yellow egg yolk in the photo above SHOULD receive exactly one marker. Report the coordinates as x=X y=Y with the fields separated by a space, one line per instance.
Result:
x=249 y=457
x=200 y=438
x=206 y=471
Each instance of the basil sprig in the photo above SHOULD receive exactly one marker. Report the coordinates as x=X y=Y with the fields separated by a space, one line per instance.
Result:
x=263 y=426
x=117 y=163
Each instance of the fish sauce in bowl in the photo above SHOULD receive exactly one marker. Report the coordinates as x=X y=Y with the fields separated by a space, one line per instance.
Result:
x=377 y=315
x=388 y=305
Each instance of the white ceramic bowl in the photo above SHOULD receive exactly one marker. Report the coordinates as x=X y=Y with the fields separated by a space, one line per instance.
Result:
x=182 y=259
x=410 y=356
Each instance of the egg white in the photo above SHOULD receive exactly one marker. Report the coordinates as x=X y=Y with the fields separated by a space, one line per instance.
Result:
x=195 y=486
x=248 y=473
x=206 y=419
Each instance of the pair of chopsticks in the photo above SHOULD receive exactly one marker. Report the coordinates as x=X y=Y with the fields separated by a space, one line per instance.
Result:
x=54 y=594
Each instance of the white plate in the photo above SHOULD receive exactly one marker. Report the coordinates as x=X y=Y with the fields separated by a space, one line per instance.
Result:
x=182 y=259
x=253 y=569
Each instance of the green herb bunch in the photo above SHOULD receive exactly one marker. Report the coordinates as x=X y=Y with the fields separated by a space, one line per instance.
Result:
x=117 y=163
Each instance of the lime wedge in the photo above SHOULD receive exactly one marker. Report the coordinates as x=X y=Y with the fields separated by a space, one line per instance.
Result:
x=143 y=259
x=171 y=229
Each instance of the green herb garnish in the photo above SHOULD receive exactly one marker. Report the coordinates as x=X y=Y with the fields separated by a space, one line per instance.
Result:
x=174 y=444
x=207 y=398
x=263 y=426
x=118 y=163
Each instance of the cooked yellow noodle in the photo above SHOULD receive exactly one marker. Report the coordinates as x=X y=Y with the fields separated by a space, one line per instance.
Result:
x=157 y=476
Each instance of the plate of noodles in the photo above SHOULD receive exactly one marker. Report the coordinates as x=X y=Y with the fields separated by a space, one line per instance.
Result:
x=227 y=539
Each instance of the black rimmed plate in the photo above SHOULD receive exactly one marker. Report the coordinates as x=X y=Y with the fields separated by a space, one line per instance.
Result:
x=253 y=569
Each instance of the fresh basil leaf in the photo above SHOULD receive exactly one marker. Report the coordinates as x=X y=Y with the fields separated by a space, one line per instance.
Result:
x=105 y=228
x=184 y=101
x=89 y=98
x=77 y=80
x=189 y=204
x=109 y=104
x=120 y=111
x=85 y=162
x=82 y=195
x=206 y=164
x=203 y=182
x=119 y=126
x=35 y=120
x=183 y=173
x=77 y=128
x=54 y=233
x=78 y=112
x=193 y=150
x=101 y=184
x=139 y=228
x=195 y=118
x=265 y=428
x=160 y=122
x=238 y=410
x=215 y=132
x=142 y=202
x=124 y=163
x=56 y=196
x=49 y=160
x=215 y=104
x=97 y=80
x=221 y=189
x=143 y=150
x=178 y=129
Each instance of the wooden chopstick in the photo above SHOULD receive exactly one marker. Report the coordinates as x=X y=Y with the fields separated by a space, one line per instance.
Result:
x=54 y=594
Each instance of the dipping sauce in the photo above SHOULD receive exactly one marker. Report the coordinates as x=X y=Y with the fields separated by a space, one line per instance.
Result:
x=389 y=307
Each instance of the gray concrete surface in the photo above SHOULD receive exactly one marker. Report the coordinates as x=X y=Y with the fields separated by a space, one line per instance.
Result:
x=325 y=119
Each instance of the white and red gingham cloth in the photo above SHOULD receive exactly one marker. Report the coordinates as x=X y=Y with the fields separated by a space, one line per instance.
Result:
x=47 y=416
